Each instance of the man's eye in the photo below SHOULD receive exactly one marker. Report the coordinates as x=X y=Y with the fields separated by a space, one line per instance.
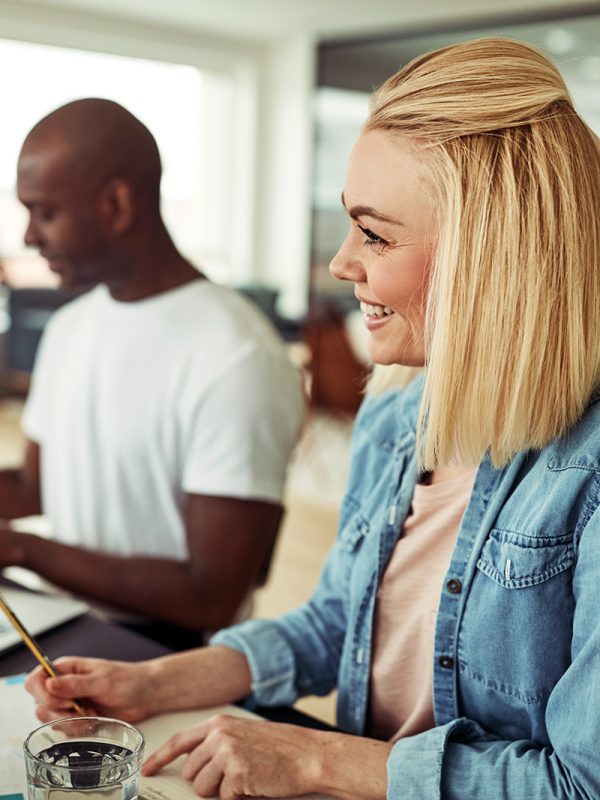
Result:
x=372 y=238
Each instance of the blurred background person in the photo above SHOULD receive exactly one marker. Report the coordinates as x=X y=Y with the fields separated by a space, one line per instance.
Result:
x=163 y=408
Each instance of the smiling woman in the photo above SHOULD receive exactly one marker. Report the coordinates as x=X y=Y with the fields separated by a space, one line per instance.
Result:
x=387 y=253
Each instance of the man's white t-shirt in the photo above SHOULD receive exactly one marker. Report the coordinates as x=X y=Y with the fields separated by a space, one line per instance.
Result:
x=136 y=404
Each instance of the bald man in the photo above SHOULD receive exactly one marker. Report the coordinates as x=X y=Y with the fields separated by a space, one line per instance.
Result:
x=163 y=408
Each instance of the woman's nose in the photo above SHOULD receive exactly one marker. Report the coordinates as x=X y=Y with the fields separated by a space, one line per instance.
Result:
x=346 y=265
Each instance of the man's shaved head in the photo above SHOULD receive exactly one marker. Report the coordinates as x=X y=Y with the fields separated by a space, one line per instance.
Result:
x=98 y=140
x=89 y=176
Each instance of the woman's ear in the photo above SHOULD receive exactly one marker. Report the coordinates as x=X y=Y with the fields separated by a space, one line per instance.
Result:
x=117 y=205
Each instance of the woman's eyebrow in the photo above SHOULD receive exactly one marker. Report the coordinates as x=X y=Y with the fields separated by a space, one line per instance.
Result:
x=368 y=211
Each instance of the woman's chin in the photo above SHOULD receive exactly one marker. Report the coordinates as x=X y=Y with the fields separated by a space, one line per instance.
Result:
x=388 y=357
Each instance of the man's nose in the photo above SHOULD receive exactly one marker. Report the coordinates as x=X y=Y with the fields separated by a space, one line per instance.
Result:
x=346 y=265
x=31 y=237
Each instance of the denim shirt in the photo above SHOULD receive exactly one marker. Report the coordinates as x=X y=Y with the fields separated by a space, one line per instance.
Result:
x=516 y=686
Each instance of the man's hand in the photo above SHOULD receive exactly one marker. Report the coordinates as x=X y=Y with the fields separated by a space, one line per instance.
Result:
x=233 y=758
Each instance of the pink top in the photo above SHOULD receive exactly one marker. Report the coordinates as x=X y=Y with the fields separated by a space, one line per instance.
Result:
x=406 y=608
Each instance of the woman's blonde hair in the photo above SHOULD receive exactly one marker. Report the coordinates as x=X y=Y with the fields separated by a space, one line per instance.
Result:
x=513 y=315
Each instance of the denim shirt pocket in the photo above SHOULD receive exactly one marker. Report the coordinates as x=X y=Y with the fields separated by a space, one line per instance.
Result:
x=516 y=561
x=513 y=643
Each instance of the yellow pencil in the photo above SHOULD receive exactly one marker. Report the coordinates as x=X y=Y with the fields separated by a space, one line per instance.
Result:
x=34 y=646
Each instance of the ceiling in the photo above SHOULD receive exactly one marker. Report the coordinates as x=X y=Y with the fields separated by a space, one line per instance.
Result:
x=264 y=20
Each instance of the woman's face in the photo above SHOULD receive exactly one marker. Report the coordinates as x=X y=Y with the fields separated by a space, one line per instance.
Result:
x=387 y=252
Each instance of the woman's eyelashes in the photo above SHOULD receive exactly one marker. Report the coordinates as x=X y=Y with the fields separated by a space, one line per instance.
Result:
x=372 y=238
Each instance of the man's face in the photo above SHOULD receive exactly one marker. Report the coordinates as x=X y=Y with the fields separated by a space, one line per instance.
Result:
x=64 y=216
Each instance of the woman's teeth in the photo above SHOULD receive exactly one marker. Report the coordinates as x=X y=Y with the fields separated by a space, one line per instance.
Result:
x=375 y=311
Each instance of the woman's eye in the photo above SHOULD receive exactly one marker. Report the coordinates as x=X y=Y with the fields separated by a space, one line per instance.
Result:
x=372 y=238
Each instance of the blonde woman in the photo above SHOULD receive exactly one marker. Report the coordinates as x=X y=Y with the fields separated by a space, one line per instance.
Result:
x=459 y=613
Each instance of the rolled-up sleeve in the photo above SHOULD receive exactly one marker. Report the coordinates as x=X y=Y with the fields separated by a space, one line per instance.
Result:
x=271 y=660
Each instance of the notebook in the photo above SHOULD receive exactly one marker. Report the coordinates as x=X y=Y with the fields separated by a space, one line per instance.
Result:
x=37 y=612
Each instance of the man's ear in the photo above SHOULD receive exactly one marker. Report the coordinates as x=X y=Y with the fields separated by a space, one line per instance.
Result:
x=117 y=205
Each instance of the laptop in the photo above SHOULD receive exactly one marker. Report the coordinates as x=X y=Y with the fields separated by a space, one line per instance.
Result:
x=37 y=612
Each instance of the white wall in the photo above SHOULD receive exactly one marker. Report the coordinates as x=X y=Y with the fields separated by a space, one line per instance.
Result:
x=285 y=163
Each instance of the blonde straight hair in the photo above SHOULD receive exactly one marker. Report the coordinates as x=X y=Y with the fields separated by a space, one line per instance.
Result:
x=513 y=313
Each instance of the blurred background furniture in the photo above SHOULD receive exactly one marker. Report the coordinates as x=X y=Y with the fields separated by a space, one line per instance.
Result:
x=28 y=310
x=337 y=375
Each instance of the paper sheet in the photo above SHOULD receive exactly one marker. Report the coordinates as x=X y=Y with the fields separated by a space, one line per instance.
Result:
x=16 y=721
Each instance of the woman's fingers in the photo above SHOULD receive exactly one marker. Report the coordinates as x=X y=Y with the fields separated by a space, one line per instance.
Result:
x=198 y=758
x=181 y=743
x=110 y=688
x=208 y=780
x=73 y=686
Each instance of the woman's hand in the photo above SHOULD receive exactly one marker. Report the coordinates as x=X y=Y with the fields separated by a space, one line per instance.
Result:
x=108 y=688
x=233 y=757
x=206 y=676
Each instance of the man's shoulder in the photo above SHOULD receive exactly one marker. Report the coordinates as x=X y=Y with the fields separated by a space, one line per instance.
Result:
x=214 y=331
x=204 y=302
x=233 y=321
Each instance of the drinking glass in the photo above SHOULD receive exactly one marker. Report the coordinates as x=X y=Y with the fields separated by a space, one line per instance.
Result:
x=91 y=757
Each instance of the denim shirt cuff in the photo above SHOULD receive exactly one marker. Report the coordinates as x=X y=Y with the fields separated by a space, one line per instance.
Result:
x=414 y=767
x=270 y=658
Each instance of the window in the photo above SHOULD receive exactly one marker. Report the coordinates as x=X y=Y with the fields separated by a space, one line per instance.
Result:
x=189 y=111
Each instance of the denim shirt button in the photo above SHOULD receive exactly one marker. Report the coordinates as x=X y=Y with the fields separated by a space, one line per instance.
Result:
x=454 y=586
x=446 y=662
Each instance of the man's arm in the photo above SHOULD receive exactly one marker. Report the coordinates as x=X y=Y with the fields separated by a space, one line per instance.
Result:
x=229 y=541
x=20 y=488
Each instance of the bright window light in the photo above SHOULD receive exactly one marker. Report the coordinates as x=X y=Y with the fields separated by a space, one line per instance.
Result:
x=188 y=111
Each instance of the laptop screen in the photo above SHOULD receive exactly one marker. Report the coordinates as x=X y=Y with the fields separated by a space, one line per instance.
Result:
x=37 y=612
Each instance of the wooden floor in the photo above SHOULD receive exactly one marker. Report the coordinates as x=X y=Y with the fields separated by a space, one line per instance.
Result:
x=315 y=487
